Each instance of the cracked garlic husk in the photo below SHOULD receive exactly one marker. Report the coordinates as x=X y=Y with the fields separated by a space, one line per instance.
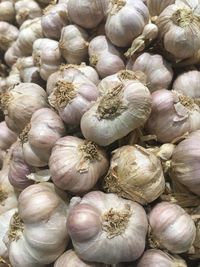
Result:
x=111 y=223
x=8 y=34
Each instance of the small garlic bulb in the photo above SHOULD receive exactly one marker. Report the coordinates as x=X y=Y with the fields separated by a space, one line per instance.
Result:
x=7 y=11
x=46 y=55
x=188 y=80
x=19 y=103
x=39 y=136
x=55 y=17
x=179 y=28
x=8 y=34
x=171 y=228
x=157 y=6
x=158 y=258
x=37 y=234
x=173 y=115
x=158 y=71
x=27 y=10
x=87 y=13
x=71 y=94
x=125 y=21
x=136 y=174
x=104 y=56
x=124 y=105
x=76 y=164
x=28 y=72
x=185 y=162
x=73 y=44
x=105 y=222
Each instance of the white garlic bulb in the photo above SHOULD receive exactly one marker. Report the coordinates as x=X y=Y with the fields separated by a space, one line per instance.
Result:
x=171 y=227
x=87 y=13
x=28 y=72
x=37 y=234
x=125 y=21
x=8 y=137
x=124 y=105
x=55 y=17
x=105 y=222
x=73 y=44
x=157 y=6
x=7 y=11
x=76 y=164
x=104 y=56
x=8 y=34
x=136 y=174
x=46 y=55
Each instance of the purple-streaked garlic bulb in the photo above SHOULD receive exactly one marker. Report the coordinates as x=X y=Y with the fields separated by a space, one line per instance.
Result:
x=105 y=222
x=8 y=34
x=124 y=105
x=106 y=59
x=172 y=116
x=135 y=174
x=157 y=6
x=77 y=164
x=171 y=228
x=71 y=94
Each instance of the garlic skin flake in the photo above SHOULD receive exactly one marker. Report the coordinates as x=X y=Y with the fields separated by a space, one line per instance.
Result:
x=106 y=222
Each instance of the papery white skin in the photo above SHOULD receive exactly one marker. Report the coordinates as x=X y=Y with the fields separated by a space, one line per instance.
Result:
x=89 y=72
x=134 y=96
x=158 y=71
x=185 y=163
x=8 y=34
x=106 y=59
x=24 y=100
x=72 y=109
x=87 y=13
x=28 y=72
x=54 y=19
x=158 y=258
x=46 y=56
x=27 y=10
x=70 y=170
x=172 y=227
x=169 y=118
x=14 y=76
x=7 y=11
x=85 y=220
x=157 y=6
x=188 y=83
x=43 y=213
x=46 y=127
x=8 y=137
x=126 y=21
x=73 y=44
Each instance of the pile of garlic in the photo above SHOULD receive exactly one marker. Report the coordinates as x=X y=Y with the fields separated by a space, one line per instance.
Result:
x=99 y=133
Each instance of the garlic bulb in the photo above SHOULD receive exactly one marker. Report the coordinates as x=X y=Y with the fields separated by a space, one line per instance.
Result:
x=27 y=10
x=7 y=11
x=124 y=105
x=172 y=116
x=76 y=164
x=125 y=21
x=20 y=102
x=46 y=56
x=136 y=174
x=28 y=72
x=179 y=28
x=157 y=6
x=158 y=71
x=72 y=94
x=185 y=162
x=73 y=44
x=87 y=13
x=188 y=80
x=158 y=258
x=40 y=135
x=171 y=228
x=105 y=222
x=37 y=234
x=104 y=56
x=55 y=17
x=8 y=137
x=8 y=34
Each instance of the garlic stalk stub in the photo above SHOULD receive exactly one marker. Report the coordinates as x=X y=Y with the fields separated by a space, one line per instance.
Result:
x=136 y=174
x=124 y=105
x=171 y=228
x=105 y=222
x=76 y=164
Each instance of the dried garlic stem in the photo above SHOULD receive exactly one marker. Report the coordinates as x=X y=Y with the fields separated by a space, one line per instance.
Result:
x=48 y=8
x=3 y=195
x=183 y=17
x=117 y=5
x=5 y=264
x=23 y=136
x=16 y=227
x=93 y=60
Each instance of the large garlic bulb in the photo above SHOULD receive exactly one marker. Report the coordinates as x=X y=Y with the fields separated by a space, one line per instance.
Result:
x=136 y=174
x=125 y=21
x=8 y=34
x=157 y=6
x=37 y=234
x=124 y=105
x=106 y=223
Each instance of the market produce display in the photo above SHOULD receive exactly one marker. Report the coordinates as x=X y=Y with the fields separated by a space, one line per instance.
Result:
x=100 y=133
